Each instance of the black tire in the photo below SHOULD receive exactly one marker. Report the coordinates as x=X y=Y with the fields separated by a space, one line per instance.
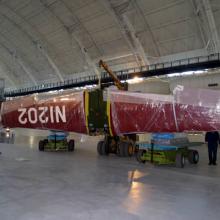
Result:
x=102 y=148
x=99 y=147
x=139 y=155
x=128 y=149
x=118 y=150
x=121 y=150
x=71 y=145
x=180 y=160
x=125 y=149
x=105 y=148
x=193 y=156
x=46 y=141
x=41 y=145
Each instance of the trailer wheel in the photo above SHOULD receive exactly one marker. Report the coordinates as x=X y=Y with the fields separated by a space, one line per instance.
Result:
x=102 y=148
x=121 y=149
x=180 y=160
x=139 y=156
x=41 y=145
x=46 y=141
x=71 y=145
x=193 y=156
x=105 y=148
x=128 y=149
x=118 y=152
x=125 y=149
x=99 y=147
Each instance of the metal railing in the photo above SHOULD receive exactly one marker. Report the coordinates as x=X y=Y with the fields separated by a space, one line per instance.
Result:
x=122 y=74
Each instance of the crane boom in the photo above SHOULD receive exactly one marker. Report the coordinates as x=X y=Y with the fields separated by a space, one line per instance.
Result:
x=117 y=82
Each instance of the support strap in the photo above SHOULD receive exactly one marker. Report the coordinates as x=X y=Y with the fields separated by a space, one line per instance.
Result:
x=174 y=114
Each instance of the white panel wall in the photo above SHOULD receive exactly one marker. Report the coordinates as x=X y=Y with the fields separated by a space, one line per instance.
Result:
x=199 y=81
x=166 y=87
x=151 y=86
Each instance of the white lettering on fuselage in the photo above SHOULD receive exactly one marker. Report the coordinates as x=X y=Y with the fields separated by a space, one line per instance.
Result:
x=21 y=117
x=42 y=116
x=52 y=114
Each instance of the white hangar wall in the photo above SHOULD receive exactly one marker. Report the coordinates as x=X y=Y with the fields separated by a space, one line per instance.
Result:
x=151 y=86
x=207 y=81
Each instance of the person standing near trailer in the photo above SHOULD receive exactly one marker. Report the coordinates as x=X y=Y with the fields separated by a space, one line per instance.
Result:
x=213 y=139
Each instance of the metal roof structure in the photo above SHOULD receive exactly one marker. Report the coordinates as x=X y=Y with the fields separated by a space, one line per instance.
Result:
x=56 y=40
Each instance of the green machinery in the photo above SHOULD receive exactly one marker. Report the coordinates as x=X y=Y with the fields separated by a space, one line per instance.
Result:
x=96 y=111
x=57 y=141
x=98 y=114
x=170 y=152
x=98 y=120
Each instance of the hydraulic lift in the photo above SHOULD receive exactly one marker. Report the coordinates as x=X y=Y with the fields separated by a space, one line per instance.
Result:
x=167 y=150
x=56 y=141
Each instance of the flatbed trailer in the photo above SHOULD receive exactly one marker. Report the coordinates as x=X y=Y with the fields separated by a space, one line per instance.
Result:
x=162 y=154
x=57 y=141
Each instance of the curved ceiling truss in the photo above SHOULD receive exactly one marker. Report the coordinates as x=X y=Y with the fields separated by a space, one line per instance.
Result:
x=53 y=40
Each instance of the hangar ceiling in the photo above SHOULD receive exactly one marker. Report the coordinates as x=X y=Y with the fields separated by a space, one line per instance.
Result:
x=53 y=40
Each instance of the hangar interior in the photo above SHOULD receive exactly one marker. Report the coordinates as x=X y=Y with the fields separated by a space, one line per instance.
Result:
x=53 y=48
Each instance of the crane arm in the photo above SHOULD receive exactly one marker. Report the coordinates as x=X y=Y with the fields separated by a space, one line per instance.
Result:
x=117 y=82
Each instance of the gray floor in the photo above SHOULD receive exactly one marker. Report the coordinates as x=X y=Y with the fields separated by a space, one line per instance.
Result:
x=82 y=185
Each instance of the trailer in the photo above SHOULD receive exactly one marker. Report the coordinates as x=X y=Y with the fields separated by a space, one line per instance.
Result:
x=167 y=149
x=56 y=141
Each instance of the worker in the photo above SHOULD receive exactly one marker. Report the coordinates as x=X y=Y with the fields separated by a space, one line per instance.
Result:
x=212 y=138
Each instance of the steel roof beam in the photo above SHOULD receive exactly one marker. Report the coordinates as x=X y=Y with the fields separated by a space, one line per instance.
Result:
x=206 y=22
x=136 y=42
x=70 y=31
x=88 y=59
x=20 y=62
x=30 y=33
x=140 y=12
x=203 y=32
x=4 y=70
x=212 y=25
x=51 y=62
x=128 y=32
x=26 y=69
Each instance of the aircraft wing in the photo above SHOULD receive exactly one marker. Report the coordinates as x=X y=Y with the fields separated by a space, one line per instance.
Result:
x=46 y=111
x=186 y=110
x=126 y=112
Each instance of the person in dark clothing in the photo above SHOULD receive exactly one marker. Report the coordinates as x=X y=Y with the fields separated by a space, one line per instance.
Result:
x=213 y=139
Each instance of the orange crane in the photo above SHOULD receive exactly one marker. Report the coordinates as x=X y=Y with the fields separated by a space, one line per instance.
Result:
x=117 y=82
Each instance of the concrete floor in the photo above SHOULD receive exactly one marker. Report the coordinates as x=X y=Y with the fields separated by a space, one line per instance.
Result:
x=83 y=185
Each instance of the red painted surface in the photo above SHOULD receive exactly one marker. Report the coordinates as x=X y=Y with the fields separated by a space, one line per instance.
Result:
x=140 y=118
x=194 y=110
x=61 y=112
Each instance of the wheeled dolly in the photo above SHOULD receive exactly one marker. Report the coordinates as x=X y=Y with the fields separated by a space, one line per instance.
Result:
x=57 y=141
